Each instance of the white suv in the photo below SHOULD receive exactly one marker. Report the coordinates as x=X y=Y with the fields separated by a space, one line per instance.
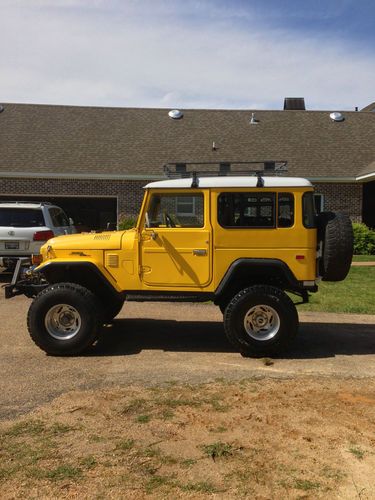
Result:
x=25 y=227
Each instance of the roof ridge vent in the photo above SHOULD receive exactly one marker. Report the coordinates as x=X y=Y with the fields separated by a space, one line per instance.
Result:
x=175 y=114
x=294 y=103
x=337 y=117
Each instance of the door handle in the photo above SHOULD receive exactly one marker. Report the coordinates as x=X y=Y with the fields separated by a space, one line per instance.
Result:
x=199 y=251
x=149 y=236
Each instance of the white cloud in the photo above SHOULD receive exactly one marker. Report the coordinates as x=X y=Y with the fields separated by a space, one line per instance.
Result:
x=170 y=54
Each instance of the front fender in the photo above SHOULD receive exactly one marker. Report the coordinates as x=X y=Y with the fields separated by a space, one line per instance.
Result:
x=86 y=273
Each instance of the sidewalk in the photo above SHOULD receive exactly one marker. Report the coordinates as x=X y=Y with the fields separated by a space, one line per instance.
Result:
x=371 y=263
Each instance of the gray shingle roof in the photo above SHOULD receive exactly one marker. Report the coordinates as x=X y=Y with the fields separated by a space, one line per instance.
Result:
x=63 y=140
x=369 y=107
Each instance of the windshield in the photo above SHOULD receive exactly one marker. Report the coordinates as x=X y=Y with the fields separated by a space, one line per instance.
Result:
x=21 y=217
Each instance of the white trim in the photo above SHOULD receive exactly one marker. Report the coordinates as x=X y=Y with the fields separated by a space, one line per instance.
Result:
x=43 y=195
x=144 y=177
x=39 y=175
x=332 y=179
x=366 y=176
x=231 y=182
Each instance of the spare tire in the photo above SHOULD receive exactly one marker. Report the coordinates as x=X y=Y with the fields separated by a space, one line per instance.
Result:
x=335 y=231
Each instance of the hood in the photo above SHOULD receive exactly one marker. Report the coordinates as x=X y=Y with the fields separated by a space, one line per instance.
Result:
x=110 y=240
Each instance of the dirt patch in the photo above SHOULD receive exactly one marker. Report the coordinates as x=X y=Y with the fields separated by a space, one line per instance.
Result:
x=255 y=438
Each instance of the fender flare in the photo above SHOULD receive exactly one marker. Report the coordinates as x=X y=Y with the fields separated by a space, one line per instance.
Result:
x=99 y=279
x=256 y=267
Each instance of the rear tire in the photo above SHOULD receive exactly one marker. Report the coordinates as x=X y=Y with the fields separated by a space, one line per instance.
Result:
x=260 y=321
x=63 y=320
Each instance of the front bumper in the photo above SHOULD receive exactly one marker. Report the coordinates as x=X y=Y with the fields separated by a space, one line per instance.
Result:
x=24 y=281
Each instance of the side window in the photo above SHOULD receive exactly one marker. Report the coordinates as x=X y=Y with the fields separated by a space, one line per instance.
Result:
x=285 y=217
x=308 y=210
x=58 y=217
x=319 y=202
x=171 y=210
x=246 y=210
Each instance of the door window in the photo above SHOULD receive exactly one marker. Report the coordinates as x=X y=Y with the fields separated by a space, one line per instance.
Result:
x=171 y=210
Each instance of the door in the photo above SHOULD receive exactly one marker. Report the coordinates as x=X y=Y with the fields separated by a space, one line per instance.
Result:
x=368 y=214
x=176 y=241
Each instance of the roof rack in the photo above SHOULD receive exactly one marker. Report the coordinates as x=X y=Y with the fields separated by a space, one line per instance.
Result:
x=225 y=168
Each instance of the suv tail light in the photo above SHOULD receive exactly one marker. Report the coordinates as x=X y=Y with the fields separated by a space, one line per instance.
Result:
x=43 y=235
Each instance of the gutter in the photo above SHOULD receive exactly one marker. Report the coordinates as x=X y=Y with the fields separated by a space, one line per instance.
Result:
x=144 y=177
x=117 y=177
x=366 y=177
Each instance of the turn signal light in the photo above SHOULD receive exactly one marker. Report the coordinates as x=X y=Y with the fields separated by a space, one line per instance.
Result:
x=43 y=235
x=36 y=260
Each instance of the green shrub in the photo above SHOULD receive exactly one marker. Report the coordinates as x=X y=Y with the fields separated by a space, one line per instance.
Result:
x=126 y=222
x=364 y=239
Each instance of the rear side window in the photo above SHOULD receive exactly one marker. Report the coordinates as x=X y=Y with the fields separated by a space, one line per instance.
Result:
x=21 y=217
x=246 y=210
x=285 y=215
x=58 y=217
x=308 y=210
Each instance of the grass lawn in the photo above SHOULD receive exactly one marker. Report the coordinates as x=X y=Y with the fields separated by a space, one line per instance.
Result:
x=356 y=294
x=363 y=258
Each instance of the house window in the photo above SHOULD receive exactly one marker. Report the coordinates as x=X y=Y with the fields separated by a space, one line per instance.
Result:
x=319 y=202
x=185 y=205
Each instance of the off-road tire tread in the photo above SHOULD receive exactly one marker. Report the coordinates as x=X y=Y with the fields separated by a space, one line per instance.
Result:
x=250 y=347
x=93 y=305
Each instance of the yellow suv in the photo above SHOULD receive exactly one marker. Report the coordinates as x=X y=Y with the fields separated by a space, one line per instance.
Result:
x=244 y=242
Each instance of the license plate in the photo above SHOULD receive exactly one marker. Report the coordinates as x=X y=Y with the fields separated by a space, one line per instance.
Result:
x=12 y=245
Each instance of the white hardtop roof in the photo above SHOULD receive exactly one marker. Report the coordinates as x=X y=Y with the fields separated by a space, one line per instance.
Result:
x=231 y=182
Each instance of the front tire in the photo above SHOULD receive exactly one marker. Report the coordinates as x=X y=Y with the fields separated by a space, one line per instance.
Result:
x=63 y=319
x=261 y=321
x=111 y=310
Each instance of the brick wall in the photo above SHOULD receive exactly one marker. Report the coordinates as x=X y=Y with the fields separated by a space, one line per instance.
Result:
x=128 y=193
x=343 y=197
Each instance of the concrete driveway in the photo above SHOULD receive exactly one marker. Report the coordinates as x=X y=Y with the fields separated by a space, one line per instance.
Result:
x=154 y=343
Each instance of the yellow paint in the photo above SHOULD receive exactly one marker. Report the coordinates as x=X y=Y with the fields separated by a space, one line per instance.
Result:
x=187 y=259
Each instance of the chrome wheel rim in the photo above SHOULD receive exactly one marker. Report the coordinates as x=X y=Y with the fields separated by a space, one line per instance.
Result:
x=63 y=322
x=261 y=322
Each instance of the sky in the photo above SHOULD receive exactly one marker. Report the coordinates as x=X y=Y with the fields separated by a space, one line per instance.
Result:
x=215 y=54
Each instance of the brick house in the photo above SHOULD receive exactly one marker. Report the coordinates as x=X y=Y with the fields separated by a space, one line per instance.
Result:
x=94 y=161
